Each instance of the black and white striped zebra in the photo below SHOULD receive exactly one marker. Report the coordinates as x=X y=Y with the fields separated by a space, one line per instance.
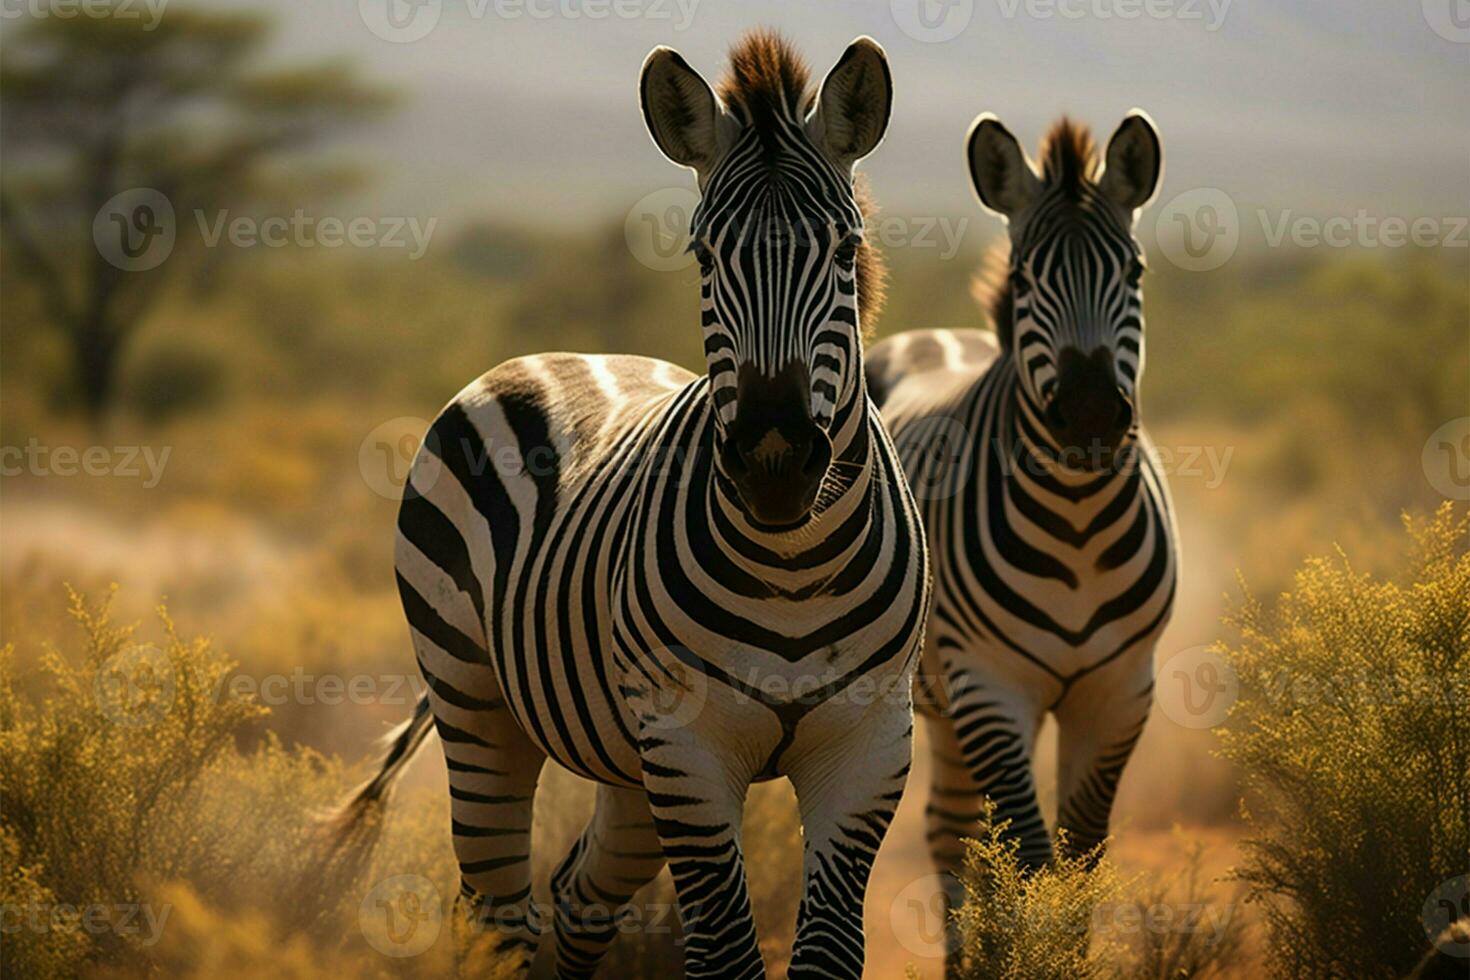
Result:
x=678 y=585
x=1051 y=531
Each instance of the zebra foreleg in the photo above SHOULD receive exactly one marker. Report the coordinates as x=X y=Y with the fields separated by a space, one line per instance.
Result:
x=1099 y=723
x=995 y=731
x=697 y=804
x=847 y=790
x=616 y=855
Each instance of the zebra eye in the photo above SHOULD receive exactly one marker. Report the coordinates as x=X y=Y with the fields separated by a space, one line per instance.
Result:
x=847 y=250
x=1020 y=282
x=1135 y=273
x=702 y=255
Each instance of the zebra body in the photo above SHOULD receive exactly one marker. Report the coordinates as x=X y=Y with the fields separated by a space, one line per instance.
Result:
x=677 y=586
x=1050 y=526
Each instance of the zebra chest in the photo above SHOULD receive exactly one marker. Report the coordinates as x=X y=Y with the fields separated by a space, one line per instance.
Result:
x=1071 y=590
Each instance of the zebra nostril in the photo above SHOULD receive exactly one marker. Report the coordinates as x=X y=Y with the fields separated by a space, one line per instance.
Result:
x=734 y=459
x=819 y=456
x=1125 y=412
x=1054 y=416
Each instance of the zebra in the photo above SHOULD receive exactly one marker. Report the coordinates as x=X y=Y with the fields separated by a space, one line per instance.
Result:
x=1052 y=531
x=678 y=585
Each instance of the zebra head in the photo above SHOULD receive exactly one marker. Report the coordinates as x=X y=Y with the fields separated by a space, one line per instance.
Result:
x=1073 y=315
x=778 y=234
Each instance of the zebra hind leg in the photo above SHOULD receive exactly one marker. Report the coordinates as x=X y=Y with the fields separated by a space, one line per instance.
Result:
x=616 y=855
x=493 y=771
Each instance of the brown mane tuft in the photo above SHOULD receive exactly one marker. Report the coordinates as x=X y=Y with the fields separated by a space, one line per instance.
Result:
x=1069 y=156
x=766 y=77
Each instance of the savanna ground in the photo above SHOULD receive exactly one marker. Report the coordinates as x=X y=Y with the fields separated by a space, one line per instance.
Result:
x=1296 y=391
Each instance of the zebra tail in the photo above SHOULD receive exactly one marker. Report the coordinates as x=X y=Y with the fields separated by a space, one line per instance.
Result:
x=354 y=825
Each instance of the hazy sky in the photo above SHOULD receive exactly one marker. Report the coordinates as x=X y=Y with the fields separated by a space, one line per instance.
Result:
x=527 y=109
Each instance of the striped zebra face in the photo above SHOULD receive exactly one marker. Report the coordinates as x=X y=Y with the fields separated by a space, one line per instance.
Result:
x=777 y=234
x=1075 y=276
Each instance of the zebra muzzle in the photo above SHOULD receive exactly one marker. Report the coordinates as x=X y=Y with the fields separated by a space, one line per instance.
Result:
x=777 y=473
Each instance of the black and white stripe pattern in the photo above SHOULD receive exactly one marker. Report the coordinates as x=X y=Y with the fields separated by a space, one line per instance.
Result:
x=584 y=581
x=1051 y=527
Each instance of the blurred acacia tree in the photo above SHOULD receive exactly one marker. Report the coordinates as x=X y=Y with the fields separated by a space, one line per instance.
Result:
x=94 y=106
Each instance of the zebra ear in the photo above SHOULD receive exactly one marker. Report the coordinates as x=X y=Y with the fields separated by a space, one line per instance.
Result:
x=1135 y=161
x=854 y=104
x=1003 y=176
x=686 y=121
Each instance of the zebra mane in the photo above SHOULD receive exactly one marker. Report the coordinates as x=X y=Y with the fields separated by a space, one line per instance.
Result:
x=991 y=288
x=1069 y=158
x=767 y=80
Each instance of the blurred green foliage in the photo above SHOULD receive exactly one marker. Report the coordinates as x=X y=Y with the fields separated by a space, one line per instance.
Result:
x=1350 y=731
